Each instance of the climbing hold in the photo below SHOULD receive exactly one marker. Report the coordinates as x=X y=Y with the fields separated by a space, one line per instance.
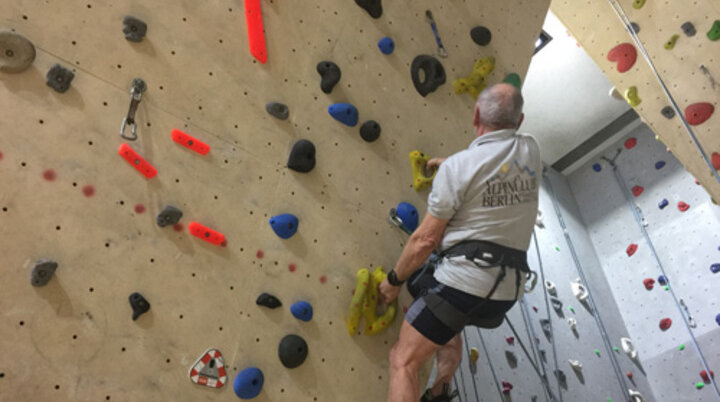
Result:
x=139 y=305
x=717 y=319
x=189 y=142
x=649 y=283
x=506 y=387
x=330 y=75
x=248 y=383
x=546 y=326
x=356 y=304
x=665 y=324
x=42 y=272
x=597 y=352
x=715 y=159
x=597 y=167
x=557 y=249
x=663 y=203
x=659 y=165
x=137 y=161
x=421 y=180
x=16 y=52
x=630 y=143
x=302 y=310
x=562 y=379
x=575 y=364
x=638 y=4
x=668 y=112
x=386 y=45
x=168 y=216
x=345 y=113
x=705 y=376
x=579 y=290
x=635 y=27
x=631 y=249
x=209 y=369
x=572 y=323
x=255 y=29
x=629 y=375
x=535 y=309
x=681 y=347
x=205 y=233
x=688 y=28
x=637 y=190
x=408 y=215
x=476 y=81
x=628 y=348
x=614 y=93
x=373 y=7
x=662 y=280
x=434 y=74
x=635 y=396
x=59 y=78
x=514 y=80
x=481 y=35
x=715 y=268
x=556 y=303
x=615 y=348
x=370 y=131
x=551 y=289
x=292 y=351
x=670 y=44
x=268 y=300
x=714 y=32
x=510 y=340
x=302 y=157
x=277 y=110
x=698 y=113
x=572 y=309
x=374 y=324
x=539 y=223
x=682 y=206
x=284 y=225
x=134 y=29
x=632 y=97
x=625 y=55
x=699 y=385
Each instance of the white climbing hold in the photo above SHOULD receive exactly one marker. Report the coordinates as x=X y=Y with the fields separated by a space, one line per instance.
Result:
x=209 y=369
x=539 y=220
x=614 y=93
x=636 y=396
x=572 y=323
x=550 y=288
x=575 y=364
x=628 y=348
x=579 y=290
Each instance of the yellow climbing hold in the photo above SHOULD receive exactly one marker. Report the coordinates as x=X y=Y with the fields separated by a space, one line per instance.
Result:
x=477 y=80
x=632 y=97
x=418 y=161
x=669 y=45
x=474 y=355
x=638 y=4
x=356 y=308
x=505 y=168
x=364 y=303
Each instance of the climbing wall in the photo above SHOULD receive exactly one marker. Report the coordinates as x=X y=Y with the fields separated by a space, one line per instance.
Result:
x=687 y=244
x=70 y=198
x=683 y=43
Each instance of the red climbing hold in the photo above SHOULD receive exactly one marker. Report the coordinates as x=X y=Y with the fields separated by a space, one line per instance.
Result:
x=206 y=233
x=535 y=309
x=637 y=190
x=88 y=191
x=715 y=160
x=323 y=279
x=665 y=324
x=630 y=143
x=625 y=55
x=649 y=283
x=137 y=161
x=698 y=113
x=629 y=375
x=139 y=208
x=631 y=249
x=705 y=376
x=256 y=32
x=507 y=387
x=190 y=142
x=260 y=254
x=293 y=268
x=49 y=175
x=178 y=227
x=510 y=340
x=683 y=206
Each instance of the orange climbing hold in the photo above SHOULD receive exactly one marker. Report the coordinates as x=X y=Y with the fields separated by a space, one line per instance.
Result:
x=207 y=234
x=625 y=55
x=137 y=161
x=256 y=31
x=698 y=113
x=190 y=142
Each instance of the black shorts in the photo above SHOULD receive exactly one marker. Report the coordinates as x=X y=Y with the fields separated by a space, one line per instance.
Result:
x=423 y=320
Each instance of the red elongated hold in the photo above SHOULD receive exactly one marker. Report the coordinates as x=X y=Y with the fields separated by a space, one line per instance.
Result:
x=190 y=142
x=629 y=375
x=510 y=340
x=256 y=32
x=649 y=283
x=506 y=385
x=705 y=376
x=205 y=233
x=630 y=143
x=665 y=324
x=698 y=113
x=715 y=160
x=637 y=190
x=631 y=249
x=625 y=55
x=682 y=207
x=535 y=309
x=137 y=161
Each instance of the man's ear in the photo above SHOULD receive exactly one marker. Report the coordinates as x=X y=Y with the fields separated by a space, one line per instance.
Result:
x=476 y=120
x=522 y=117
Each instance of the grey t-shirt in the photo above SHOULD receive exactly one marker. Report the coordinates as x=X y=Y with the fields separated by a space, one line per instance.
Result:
x=488 y=192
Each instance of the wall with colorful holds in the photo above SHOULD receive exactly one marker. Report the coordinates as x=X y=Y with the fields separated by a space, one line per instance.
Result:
x=68 y=196
x=687 y=65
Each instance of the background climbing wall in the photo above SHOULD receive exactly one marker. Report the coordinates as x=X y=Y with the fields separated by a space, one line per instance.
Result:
x=67 y=195
x=679 y=67
x=687 y=244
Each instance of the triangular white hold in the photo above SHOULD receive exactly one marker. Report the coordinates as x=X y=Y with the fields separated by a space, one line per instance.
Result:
x=572 y=323
x=579 y=290
x=539 y=220
x=209 y=369
x=628 y=348
x=550 y=288
x=636 y=396
x=575 y=364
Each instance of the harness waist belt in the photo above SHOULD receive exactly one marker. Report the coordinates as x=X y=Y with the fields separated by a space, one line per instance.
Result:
x=491 y=253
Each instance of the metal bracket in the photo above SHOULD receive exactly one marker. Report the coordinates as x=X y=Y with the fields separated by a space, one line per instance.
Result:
x=395 y=220
x=709 y=76
x=690 y=319
x=136 y=91
x=441 y=49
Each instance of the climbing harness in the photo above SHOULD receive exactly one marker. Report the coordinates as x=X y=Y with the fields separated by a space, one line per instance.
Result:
x=441 y=49
x=136 y=91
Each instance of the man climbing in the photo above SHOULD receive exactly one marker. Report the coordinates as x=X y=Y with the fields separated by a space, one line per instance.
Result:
x=481 y=213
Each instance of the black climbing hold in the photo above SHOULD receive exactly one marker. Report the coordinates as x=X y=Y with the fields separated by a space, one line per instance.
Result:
x=562 y=378
x=668 y=112
x=139 y=305
x=433 y=70
x=42 y=272
x=278 y=110
x=546 y=327
x=59 y=78
x=169 y=216
x=373 y=7
x=268 y=300
x=556 y=303
x=16 y=52
x=635 y=27
x=689 y=28
x=370 y=131
x=302 y=157
x=292 y=351
x=330 y=73
x=134 y=29
x=481 y=35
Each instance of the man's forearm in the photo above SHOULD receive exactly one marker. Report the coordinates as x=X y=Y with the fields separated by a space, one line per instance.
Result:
x=415 y=253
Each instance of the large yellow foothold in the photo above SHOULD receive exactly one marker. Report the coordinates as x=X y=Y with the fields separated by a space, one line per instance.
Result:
x=632 y=97
x=356 y=305
x=419 y=160
x=364 y=304
x=476 y=82
x=474 y=355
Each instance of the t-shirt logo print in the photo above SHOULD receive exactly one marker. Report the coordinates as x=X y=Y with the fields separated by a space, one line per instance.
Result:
x=515 y=185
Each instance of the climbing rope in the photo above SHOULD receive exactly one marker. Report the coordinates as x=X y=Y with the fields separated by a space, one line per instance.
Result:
x=492 y=368
x=543 y=379
x=477 y=396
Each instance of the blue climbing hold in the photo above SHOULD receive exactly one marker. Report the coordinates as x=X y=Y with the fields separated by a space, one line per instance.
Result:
x=597 y=167
x=663 y=203
x=662 y=280
x=302 y=310
x=659 y=165
x=249 y=383
x=284 y=225
x=345 y=113
x=717 y=319
x=408 y=214
x=715 y=268
x=386 y=45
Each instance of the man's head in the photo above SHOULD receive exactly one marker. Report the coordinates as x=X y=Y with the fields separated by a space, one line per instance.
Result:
x=498 y=107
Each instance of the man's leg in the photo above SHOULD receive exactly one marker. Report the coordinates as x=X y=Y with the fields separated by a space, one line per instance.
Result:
x=410 y=352
x=448 y=361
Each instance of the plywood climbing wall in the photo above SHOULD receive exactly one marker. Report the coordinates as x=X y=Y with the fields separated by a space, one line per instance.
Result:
x=67 y=195
x=687 y=65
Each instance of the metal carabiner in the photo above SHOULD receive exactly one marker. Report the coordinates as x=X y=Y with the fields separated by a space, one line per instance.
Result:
x=136 y=91
x=690 y=319
x=441 y=49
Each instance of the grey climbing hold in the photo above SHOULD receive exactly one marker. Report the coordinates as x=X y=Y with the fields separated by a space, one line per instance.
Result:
x=373 y=7
x=134 y=29
x=370 y=131
x=169 y=216
x=511 y=359
x=556 y=303
x=16 y=52
x=543 y=355
x=434 y=74
x=139 y=305
x=292 y=351
x=562 y=378
x=330 y=73
x=635 y=27
x=546 y=327
x=59 y=78
x=42 y=272
x=668 y=112
x=268 y=300
x=481 y=35
x=302 y=157
x=278 y=110
x=689 y=28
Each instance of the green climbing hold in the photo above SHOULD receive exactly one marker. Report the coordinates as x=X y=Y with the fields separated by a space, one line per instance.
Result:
x=667 y=287
x=682 y=347
x=617 y=349
x=699 y=385
x=609 y=400
x=513 y=79
x=557 y=248
x=572 y=309
x=670 y=44
x=597 y=352
x=714 y=32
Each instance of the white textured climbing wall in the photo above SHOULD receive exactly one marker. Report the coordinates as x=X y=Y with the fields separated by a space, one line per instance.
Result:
x=687 y=244
x=687 y=64
x=67 y=195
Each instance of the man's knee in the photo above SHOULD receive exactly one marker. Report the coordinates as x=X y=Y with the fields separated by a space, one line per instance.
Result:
x=401 y=357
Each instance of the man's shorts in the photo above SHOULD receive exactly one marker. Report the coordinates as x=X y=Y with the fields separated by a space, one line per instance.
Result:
x=423 y=320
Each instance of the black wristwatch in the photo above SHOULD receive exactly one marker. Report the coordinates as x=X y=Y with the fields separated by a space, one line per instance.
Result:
x=393 y=279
